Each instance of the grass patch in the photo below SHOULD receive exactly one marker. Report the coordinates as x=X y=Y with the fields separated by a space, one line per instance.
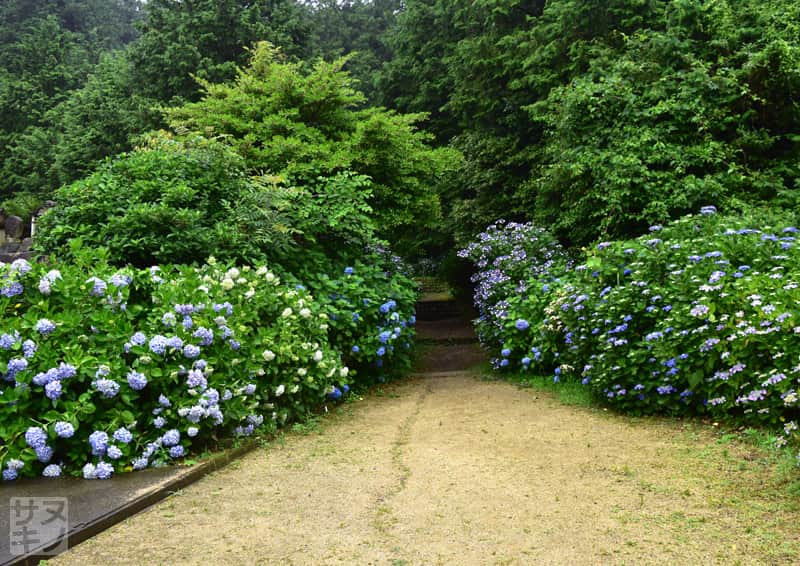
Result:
x=569 y=392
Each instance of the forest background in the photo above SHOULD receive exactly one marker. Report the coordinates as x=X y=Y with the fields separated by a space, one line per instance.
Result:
x=594 y=119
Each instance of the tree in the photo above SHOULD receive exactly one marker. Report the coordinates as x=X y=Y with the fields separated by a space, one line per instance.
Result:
x=181 y=39
x=303 y=125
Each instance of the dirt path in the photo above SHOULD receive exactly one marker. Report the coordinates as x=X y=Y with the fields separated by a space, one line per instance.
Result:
x=450 y=469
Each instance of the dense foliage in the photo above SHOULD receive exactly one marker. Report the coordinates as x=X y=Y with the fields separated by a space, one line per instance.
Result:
x=601 y=118
x=107 y=370
x=698 y=317
x=306 y=125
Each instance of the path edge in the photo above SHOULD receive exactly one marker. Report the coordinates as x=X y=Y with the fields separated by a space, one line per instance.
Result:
x=184 y=478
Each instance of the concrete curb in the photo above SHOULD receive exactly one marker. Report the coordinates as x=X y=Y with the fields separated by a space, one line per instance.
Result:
x=156 y=493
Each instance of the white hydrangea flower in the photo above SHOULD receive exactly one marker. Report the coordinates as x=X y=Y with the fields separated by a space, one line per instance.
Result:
x=344 y=371
x=227 y=284
x=305 y=313
x=268 y=355
x=287 y=312
x=294 y=389
x=232 y=273
x=317 y=357
x=279 y=390
x=250 y=292
x=302 y=372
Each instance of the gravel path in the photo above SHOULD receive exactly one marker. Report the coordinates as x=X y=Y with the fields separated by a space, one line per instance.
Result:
x=451 y=469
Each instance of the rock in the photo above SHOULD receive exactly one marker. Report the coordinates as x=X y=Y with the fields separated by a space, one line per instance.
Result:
x=15 y=227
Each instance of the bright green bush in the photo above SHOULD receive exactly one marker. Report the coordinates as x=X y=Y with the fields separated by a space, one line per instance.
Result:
x=161 y=362
x=308 y=124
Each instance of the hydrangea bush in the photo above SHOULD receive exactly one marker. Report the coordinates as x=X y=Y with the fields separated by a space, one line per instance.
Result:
x=104 y=370
x=701 y=316
x=509 y=258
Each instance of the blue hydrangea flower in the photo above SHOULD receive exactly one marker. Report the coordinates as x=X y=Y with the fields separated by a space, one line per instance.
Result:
x=138 y=339
x=53 y=390
x=64 y=429
x=12 y=289
x=164 y=401
x=137 y=381
x=521 y=324
x=103 y=470
x=98 y=440
x=121 y=280
x=44 y=453
x=158 y=344
x=169 y=319
x=35 y=437
x=108 y=387
x=159 y=422
x=140 y=463
x=28 y=348
x=114 y=453
x=171 y=437
x=505 y=352
x=45 y=326
x=176 y=451
x=356 y=349
x=334 y=394
x=10 y=475
x=123 y=435
x=205 y=335
x=7 y=341
x=348 y=270
x=381 y=351
x=196 y=380
x=65 y=371
x=98 y=287
x=52 y=471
